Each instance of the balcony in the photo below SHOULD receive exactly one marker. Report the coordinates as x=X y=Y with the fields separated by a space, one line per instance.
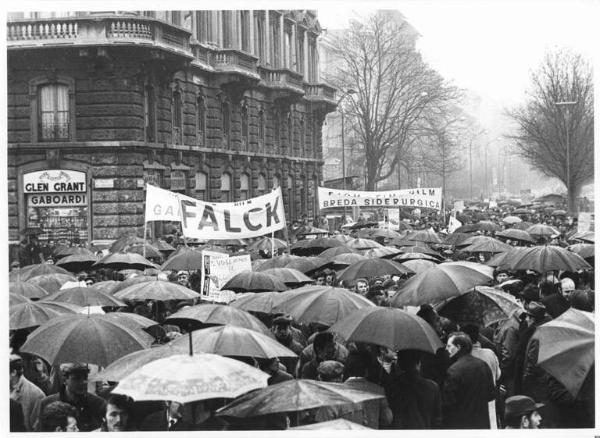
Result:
x=321 y=94
x=234 y=61
x=286 y=83
x=97 y=30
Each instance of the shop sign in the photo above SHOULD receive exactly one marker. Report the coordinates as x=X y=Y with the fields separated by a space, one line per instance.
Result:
x=54 y=181
x=57 y=200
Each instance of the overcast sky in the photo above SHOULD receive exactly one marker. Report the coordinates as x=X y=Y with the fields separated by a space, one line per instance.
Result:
x=488 y=46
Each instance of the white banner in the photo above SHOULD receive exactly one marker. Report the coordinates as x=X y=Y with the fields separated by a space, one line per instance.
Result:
x=161 y=205
x=459 y=206
x=453 y=224
x=232 y=220
x=422 y=198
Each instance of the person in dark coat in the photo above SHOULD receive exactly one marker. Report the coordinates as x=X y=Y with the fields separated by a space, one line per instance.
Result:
x=468 y=387
x=17 y=422
x=282 y=330
x=416 y=402
x=555 y=303
x=168 y=419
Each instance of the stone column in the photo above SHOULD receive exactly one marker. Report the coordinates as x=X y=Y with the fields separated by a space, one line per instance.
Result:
x=251 y=32
x=293 y=42
x=267 y=28
x=306 y=57
x=238 y=28
x=281 y=39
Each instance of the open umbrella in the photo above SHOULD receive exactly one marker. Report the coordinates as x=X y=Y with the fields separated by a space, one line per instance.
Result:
x=481 y=306
x=386 y=233
x=84 y=296
x=250 y=281
x=163 y=246
x=28 y=290
x=426 y=236
x=385 y=252
x=372 y=268
x=419 y=249
x=483 y=244
x=522 y=225
x=541 y=231
x=567 y=348
x=308 y=230
x=278 y=262
x=584 y=250
x=307 y=265
x=388 y=327
x=228 y=340
x=455 y=238
x=146 y=250
x=543 y=258
x=157 y=290
x=515 y=234
x=344 y=260
x=487 y=226
x=266 y=244
x=559 y=213
x=293 y=396
x=441 y=282
x=51 y=282
x=78 y=262
x=185 y=379
x=512 y=220
x=32 y=314
x=203 y=315
x=418 y=266
x=342 y=237
x=405 y=257
x=339 y=424
x=498 y=259
x=332 y=252
x=363 y=244
x=106 y=286
x=290 y=277
x=14 y=299
x=124 y=241
x=256 y=302
x=184 y=259
x=314 y=246
x=84 y=338
x=127 y=260
x=130 y=281
x=319 y=304
x=31 y=271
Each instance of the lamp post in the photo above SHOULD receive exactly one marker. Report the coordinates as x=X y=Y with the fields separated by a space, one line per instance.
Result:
x=344 y=94
x=568 y=104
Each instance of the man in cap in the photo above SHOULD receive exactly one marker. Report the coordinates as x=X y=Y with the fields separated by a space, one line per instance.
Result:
x=521 y=412
x=89 y=407
x=23 y=391
x=282 y=330
x=183 y=279
x=323 y=348
x=330 y=371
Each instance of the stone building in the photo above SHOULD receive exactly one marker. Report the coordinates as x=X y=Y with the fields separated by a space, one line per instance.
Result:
x=219 y=105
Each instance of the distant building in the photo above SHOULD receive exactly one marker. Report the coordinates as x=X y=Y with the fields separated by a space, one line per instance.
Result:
x=219 y=105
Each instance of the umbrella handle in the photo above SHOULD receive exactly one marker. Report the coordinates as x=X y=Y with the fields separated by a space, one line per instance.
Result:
x=190 y=339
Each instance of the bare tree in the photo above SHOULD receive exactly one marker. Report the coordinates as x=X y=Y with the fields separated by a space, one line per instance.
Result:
x=394 y=89
x=555 y=127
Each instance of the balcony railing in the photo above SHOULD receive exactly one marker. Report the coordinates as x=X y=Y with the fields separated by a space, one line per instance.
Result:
x=320 y=92
x=282 y=79
x=233 y=60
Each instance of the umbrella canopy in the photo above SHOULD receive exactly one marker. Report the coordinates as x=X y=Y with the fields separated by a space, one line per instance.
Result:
x=541 y=231
x=308 y=265
x=124 y=366
x=250 y=281
x=314 y=246
x=266 y=244
x=157 y=290
x=257 y=302
x=420 y=249
x=228 y=340
x=521 y=211
x=106 y=286
x=83 y=338
x=66 y=251
x=559 y=213
x=310 y=230
x=484 y=244
x=185 y=379
x=522 y=225
x=515 y=234
x=124 y=241
x=32 y=314
x=481 y=306
x=320 y=304
x=426 y=236
x=150 y=250
x=332 y=252
x=289 y=276
x=278 y=262
x=418 y=266
x=543 y=258
x=512 y=220
x=27 y=290
x=203 y=315
x=344 y=260
x=455 y=238
x=128 y=282
x=386 y=233
x=385 y=253
x=363 y=244
x=14 y=299
x=487 y=226
x=78 y=262
x=31 y=271
x=405 y=257
x=293 y=396
x=83 y=296
x=342 y=237
x=339 y=424
x=567 y=348
x=388 y=327
x=373 y=268
x=366 y=233
x=584 y=250
x=184 y=259
x=163 y=246
x=498 y=259
x=441 y=282
x=127 y=260
x=51 y=282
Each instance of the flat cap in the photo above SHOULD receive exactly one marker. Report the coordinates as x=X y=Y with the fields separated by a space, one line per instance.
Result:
x=536 y=310
x=283 y=320
x=330 y=369
x=518 y=405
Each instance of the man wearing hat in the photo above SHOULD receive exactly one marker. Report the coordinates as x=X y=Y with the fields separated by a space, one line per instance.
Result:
x=282 y=330
x=183 y=279
x=90 y=407
x=521 y=412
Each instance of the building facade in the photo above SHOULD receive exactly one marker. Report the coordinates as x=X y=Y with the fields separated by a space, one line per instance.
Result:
x=219 y=105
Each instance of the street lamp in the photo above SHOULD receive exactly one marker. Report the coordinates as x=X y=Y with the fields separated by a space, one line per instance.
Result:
x=345 y=94
x=568 y=104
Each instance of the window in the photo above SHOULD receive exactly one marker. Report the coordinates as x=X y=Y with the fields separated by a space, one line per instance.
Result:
x=225 y=122
x=201 y=179
x=245 y=30
x=200 y=121
x=149 y=114
x=300 y=52
x=226 y=187
x=276 y=132
x=275 y=181
x=54 y=112
x=244 y=127
x=275 y=42
x=227 y=20
x=262 y=184
x=261 y=129
x=302 y=135
x=244 y=187
x=289 y=148
x=177 y=111
x=178 y=181
x=303 y=190
x=290 y=197
x=259 y=37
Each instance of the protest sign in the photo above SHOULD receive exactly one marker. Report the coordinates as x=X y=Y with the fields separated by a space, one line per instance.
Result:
x=218 y=269
x=422 y=198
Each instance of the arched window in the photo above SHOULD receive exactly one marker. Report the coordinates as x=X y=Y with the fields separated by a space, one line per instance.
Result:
x=177 y=111
x=54 y=114
x=225 y=122
x=201 y=186
x=244 y=127
x=226 y=187
x=244 y=186
x=200 y=121
x=262 y=184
